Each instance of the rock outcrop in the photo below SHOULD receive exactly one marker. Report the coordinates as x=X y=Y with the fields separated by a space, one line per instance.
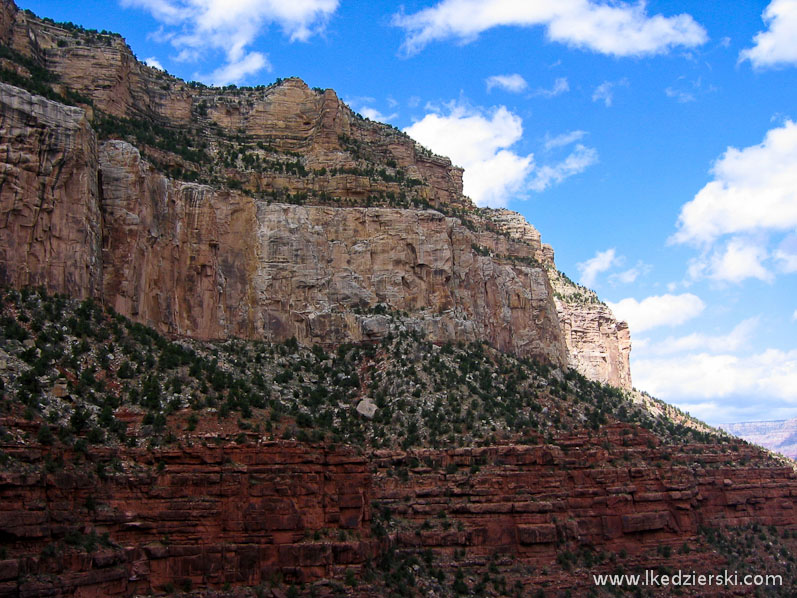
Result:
x=194 y=261
x=51 y=231
x=598 y=345
x=208 y=515
x=279 y=513
x=190 y=231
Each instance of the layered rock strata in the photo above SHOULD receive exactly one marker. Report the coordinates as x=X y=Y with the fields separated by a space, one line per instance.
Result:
x=287 y=513
x=229 y=257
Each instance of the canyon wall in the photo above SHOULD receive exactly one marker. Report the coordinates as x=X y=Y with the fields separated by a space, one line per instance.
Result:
x=51 y=230
x=226 y=256
x=281 y=512
x=194 y=261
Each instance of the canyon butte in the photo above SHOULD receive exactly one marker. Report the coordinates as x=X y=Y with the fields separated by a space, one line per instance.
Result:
x=253 y=344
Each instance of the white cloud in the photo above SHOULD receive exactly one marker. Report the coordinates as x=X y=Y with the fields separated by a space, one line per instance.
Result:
x=777 y=46
x=480 y=141
x=740 y=259
x=754 y=189
x=630 y=275
x=601 y=262
x=560 y=86
x=154 y=63
x=752 y=198
x=563 y=140
x=794 y=316
x=375 y=115
x=679 y=95
x=786 y=254
x=578 y=161
x=236 y=71
x=605 y=91
x=657 y=310
x=513 y=83
x=231 y=26
x=772 y=373
x=616 y=29
x=735 y=340
x=788 y=261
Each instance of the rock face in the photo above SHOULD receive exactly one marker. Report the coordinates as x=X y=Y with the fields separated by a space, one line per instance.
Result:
x=208 y=515
x=247 y=515
x=598 y=345
x=51 y=230
x=227 y=256
x=194 y=261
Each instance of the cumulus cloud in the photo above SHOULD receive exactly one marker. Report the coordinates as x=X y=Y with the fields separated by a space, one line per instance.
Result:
x=713 y=376
x=480 y=141
x=616 y=29
x=771 y=373
x=230 y=26
x=735 y=340
x=754 y=188
x=513 y=83
x=740 y=259
x=605 y=91
x=154 y=63
x=777 y=45
x=753 y=196
x=249 y=64
x=657 y=310
x=601 y=262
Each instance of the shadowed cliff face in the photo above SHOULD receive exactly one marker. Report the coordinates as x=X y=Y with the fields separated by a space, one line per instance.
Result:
x=168 y=200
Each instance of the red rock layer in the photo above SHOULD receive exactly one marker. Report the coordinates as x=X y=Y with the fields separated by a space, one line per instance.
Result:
x=246 y=515
x=209 y=515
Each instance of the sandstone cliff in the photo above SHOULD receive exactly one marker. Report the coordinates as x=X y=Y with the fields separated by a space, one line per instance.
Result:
x=194 y=261
x=179 y=204
x=279 y=513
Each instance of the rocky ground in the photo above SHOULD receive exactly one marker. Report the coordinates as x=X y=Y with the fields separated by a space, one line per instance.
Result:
x=135 y=463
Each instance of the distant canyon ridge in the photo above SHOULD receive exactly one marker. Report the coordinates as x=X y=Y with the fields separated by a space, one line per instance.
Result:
x=778 y=435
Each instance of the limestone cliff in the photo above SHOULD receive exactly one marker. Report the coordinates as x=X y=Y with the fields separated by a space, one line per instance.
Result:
x=49 y=195
x=266 y=212
x=598 y=345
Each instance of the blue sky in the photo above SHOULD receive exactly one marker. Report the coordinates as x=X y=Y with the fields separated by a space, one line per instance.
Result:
x=652 y=145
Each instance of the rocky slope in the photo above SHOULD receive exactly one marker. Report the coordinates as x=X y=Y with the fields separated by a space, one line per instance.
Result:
x=135 y=465
x=177 y=195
